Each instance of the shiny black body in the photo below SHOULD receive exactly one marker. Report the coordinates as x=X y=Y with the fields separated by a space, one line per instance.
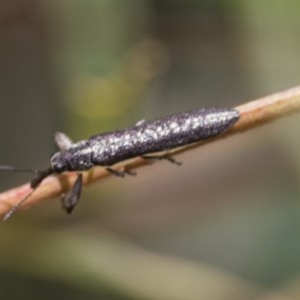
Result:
x=145 y=137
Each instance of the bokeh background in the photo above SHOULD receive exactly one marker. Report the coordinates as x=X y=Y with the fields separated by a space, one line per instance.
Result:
x=226 y=224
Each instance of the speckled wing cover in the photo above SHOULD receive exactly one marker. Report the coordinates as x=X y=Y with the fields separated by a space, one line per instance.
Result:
x=159 y=135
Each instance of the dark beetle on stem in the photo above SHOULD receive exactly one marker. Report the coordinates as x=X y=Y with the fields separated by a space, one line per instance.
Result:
x=144 y=138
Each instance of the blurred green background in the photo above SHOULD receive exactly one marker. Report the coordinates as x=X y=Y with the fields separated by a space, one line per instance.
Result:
x=225 y=224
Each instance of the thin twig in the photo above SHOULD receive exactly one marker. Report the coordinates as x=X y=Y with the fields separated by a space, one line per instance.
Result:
x=252 y=114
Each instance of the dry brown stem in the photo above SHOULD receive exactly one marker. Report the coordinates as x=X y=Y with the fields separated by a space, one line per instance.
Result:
x=254 y=113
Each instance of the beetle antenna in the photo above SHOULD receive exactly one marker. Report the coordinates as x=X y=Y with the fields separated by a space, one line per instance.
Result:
x=18 y=205
x=34 y=184
x=14 y=169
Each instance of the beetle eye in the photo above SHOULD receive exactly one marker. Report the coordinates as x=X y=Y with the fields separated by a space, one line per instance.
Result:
x=55 y=162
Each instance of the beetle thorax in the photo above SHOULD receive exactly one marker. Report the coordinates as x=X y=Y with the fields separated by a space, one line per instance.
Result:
x=72 y=159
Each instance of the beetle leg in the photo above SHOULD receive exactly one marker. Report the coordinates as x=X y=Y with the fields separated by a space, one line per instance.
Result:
x=161 y=157
x=120 y=173
x=71 y=199
x=62 y=141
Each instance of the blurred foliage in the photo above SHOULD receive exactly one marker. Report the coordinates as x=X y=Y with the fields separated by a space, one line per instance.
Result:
x=225 y=224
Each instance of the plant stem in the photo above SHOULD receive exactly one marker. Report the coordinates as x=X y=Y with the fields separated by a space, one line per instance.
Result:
x=252 y=114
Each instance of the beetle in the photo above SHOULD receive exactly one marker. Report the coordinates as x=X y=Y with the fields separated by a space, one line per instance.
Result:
x=144 y=138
